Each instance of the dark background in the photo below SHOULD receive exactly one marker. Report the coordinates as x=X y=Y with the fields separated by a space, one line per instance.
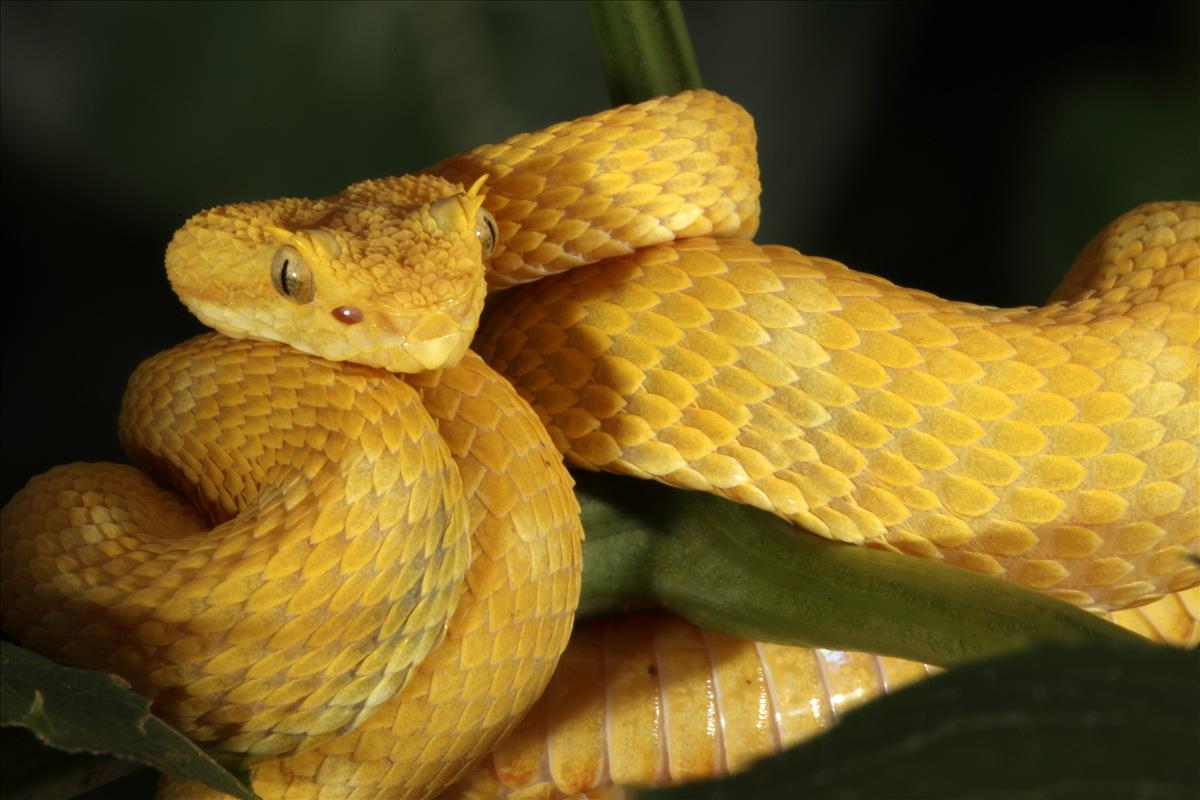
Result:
x=970 y=150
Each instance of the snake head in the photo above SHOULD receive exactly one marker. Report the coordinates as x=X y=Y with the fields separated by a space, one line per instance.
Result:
x=388 y=273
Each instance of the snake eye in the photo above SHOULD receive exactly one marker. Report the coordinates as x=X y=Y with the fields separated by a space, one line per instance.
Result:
x=292 y=277
x=486 y=231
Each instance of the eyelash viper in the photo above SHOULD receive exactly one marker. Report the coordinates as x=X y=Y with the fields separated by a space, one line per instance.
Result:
x=387 y=589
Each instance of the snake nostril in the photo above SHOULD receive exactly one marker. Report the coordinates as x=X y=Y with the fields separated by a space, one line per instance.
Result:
x=348 y=315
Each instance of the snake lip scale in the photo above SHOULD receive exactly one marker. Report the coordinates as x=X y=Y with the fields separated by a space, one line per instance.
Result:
x=350 y=559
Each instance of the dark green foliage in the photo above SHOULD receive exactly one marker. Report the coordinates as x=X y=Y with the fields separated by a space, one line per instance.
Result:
x=80 y=711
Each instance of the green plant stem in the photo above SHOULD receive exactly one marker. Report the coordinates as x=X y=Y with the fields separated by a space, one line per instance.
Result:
x=644 y=48
x=742 y=571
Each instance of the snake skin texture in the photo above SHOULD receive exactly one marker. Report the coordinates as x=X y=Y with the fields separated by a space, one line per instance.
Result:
x=606 y=185
x=297 y=597
x=504 y=639
x=356 y=582
x=1055 y=447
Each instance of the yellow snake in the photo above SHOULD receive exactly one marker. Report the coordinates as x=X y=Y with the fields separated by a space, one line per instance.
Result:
x=375 y=574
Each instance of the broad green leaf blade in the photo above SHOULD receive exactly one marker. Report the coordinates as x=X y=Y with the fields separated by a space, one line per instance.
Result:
x=1055 y=723
x=92 y=712
x=644 y=48
x=742 y=571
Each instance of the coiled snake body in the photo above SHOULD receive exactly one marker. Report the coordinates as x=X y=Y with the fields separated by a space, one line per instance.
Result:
x=376 y=574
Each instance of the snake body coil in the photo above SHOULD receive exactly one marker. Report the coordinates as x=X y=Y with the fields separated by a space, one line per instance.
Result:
x=376 y=573
x=1055 y=446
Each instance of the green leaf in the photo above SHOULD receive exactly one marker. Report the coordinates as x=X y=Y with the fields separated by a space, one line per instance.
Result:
x=1083 y=721
x=92 y=712
x=644 y=48
x=745 y=572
